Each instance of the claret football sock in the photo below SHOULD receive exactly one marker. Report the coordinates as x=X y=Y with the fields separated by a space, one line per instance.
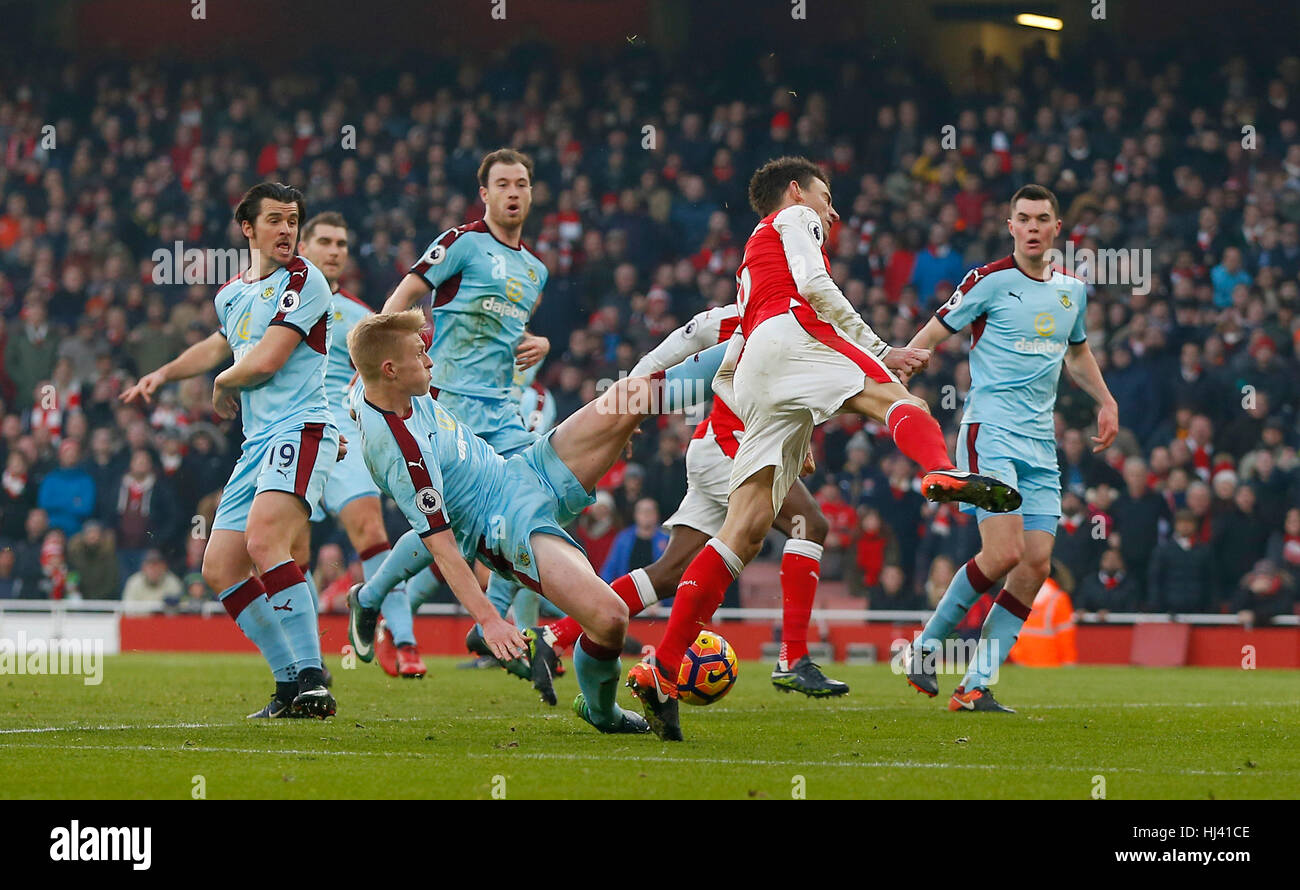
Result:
x=246 y=603
x=918 y=435
x=999 y=634
x=967 y=585
x=286 y=589
x=599 y=672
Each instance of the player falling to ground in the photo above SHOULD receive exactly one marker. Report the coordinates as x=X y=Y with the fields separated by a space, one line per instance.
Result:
x=467 y=502
x=485 y=285
x=1025 y=318
x=350 y=494
x=807 y=355
x=275 y=321
x=703 y=509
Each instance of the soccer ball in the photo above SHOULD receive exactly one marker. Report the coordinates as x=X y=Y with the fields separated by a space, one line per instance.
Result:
x=708 y=671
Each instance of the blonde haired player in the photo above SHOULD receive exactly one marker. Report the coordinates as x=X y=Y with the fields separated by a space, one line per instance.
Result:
x=466 y=502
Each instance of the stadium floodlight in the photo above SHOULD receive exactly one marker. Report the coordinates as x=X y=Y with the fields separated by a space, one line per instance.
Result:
x=1047 y=22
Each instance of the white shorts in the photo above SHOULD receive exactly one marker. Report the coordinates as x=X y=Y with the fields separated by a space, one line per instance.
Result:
x=708 y=477
x=796 y=372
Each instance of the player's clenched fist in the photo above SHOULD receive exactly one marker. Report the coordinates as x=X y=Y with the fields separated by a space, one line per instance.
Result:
x=907 y=359
x=504 y=639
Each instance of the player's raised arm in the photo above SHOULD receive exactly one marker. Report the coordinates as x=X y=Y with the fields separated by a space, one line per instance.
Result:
x=968 y=302
x=409 y=291
x=707 y=328
x=444 y=260
x=200 y=358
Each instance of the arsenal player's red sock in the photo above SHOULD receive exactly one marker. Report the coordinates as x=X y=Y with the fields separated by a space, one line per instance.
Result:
x=699 y=594
x=801 y=563
x=633 y=588
x=918 y=435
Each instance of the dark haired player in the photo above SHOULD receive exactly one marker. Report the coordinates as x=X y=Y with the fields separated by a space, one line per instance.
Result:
x=1025 y=319
x=275 y=323
x=807 y=355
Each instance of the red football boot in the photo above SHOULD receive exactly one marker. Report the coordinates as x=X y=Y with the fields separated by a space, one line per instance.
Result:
x=409 y=663
x=385 y=651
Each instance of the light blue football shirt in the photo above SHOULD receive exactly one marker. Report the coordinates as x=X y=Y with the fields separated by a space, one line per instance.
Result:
x=440 y=474
x=484 y=292
x=1020 y=330
x=297 y=296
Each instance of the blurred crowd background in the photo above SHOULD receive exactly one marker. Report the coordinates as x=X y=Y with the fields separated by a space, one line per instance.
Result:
x=639 y=212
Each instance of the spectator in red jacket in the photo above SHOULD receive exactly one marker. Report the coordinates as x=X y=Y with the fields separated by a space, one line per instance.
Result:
x=874 y=547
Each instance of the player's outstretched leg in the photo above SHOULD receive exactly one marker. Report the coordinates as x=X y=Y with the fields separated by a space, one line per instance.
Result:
x=396 y=565
x=570 y=582
x=919 y=436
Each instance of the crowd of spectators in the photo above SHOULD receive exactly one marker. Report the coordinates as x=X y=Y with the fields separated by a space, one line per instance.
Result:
x=639 y=212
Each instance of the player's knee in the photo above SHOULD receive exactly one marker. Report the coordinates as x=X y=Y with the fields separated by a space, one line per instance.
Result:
x=816 y=528
x=1041 y=569
x=610 y=623
x=216 y=574
x=265 y=551
x=918 y=402
x=1003 y=557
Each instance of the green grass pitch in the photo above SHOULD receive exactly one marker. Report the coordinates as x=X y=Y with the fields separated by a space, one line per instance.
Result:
x=157 y=722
